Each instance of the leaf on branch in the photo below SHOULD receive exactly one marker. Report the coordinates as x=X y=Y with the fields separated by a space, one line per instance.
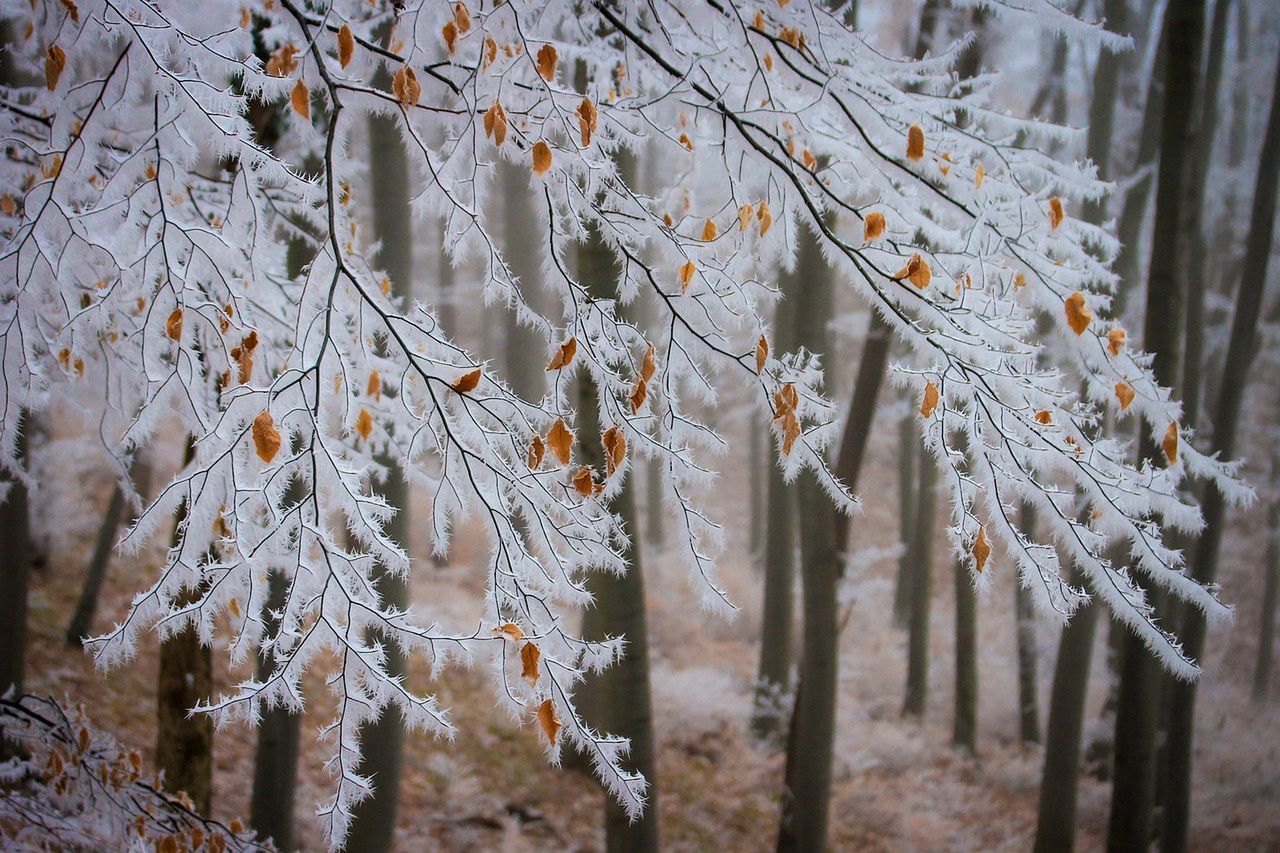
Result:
x=549 y=720
x=529 y=658
x=266 y=438
x=564 y=355
x=615 y=449
x=72 y=10
x=541 y=157
x=648 y=365
x=684 y=140
x=405 y=86
x=1044 y=417
x=744 y=216
x=917 y=271
x=462 y=17
x=1078 y=314
x=930 y=401
x=981 y=550
x=639 y=393
x=765 y=216
x=762 y=354
x=588 y=120
x=468 y=381
x=346 y=46
x=490 y=52
x=709 y=231
x=1056 y=214
x=510 y=629
x=547 y=59
x=55 y=60
x=1170 y=444
x=560 y=440
x=537 y=449
x=687 y=269
x=495 y=123
x=364 y=424
x=584 y=482
x=300 y=100
x=945 y=165
x=283 y=61
x=450 y=35
x=915 y=142
x=1125 y=394
x=173 y=325
x=374 y=388
x=785 y=402
x=873 y=226
x=979 y=176
x=1116 y=337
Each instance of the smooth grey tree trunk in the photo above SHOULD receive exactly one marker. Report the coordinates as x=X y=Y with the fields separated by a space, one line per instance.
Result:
x=1241 y=349
x=523 y=346
x=1137 y=713
x=1025 y=632
x=964 y=727
x=373 y=820
x=908 y=453
x=920 y=558
x=81 y=624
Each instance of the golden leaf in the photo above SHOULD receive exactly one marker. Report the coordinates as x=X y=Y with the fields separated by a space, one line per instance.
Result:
x=917 y=271
x=639 y=393
x=547 y=59
x=744 y=216
x=873 y=226
x=1019 y=280
x=945 y=165
x=648 y=365
x=364 y=424
x=762 y=354
x=1044 y=417
x=768 y=62
x=72 y=9
x=709 y=231
x=564 y=355
x=758 y=21
x=584 y=482
x=930 y=401
x=490 y=52
x=615 y=449
x=511 y=630
x=765 y=216
x=1125 y=394
x=467 y=382
x=450 y=35
x=495 y=123
x=405 y=86
x=1055 y=213
x=979 y=176
x=549 y=720
x=55 y=60
x=981 y=549
x=374 y=388
x=687 y=269
x=537 y=449
x=685 y=141
x=588 y=119
x=346 y=46
x=173 y=326
x=1115 y=340
x=915 y=142
x=300 y=100
x=529 y=657
x=541 y=157
x=560 y=440
x=1078 y=314
x=1170 y=443
x=462 y=17
x=810 y=162
x=266 y=438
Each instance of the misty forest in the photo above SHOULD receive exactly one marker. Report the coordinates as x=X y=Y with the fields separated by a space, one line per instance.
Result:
x=617 y=425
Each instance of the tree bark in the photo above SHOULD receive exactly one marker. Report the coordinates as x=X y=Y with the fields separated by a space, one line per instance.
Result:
x=15 y=576
x=920 y=558
x=523 y=345
x=275 y=768
x=1270 y=593
x=1241 y=349
x=82 y=619
x=1133 y=792
x=1025 y=630
x=964 y=728
x=908 y=452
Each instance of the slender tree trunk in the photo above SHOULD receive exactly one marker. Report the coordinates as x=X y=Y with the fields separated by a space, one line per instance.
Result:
x=921 y=559
x=908 y=453
x=806 y=800
x=1133 y=793
x=373 y=821
x=15 y=576
x=1270 y=593
x=184 y=741
x=756 y=483
x=862 y=412
x=964 y=728
x=1241 y=350
x=1055 y=826
x=653 y=498
x=523 y=345
x=1025 y=629
x=275 y=768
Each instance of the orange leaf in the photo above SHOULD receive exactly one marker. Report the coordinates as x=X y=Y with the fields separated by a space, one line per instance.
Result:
x=917 y=271
x=564 y=355
x=374 y=388
x=511 y=630
x=1078 y=314
x=930 y=401
x=364 y=424
x=915 y=142
x=450 y=35
x=495 y=123
x=648 y=365
x=744 y=216
x=639 y=393
x=346 y=46
x=687 y=269
x=537 y=449
x=300 y=100
x=560 y=440
x=549 y=720
x=981 y=549
x=541 y=157
x=765 y=217
x=585 y=483
x=762 y=354
x=615 y=448
x=709 y=231
x=55 y=60
x=1115 y=340
x=266 y=438
x=547 y=59
x=467 y=382
x=588 y=119
x=173 y=326
x=1055 y=213
x=979 y=176
x=873 y=226
x=1170 y=444
x=490 y=51
x=529 y=657
x=462 y=17
x=1044 y=417
x=406 y=87
x=1125 y=394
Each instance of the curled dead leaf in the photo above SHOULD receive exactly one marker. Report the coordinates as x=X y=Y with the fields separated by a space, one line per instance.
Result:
x=1170 y=443
x=930 y=401
x=510 y=629
x=449 y=32
x=541 y=157
x=405 y=86
x=266 y=438
x=374 y=388
x=709 y=231
x=981 y=550
x=979 y=176
x=615 y=449
x=537 y=449
x=549 y=720
x=468 y=381
x=915 y=142
x=173 y=325
x=560 y=440
x=300 y=100
x=1116 y=337
x=588 y=120
x=1078 y=314
x=1044 y=417
x=873 y=226
x=762 y=354
x=1125 y=394
x=584 y=482
x=765 y=216
x=547 y=59
x=564 y=355
x=529 y=658
x=1056 y=214
x=917 y=271
x=364 y=424
x=687 y=269
x=54 y=61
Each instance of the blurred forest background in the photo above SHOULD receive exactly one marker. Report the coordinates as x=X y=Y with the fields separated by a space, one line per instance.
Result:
x=951 y=757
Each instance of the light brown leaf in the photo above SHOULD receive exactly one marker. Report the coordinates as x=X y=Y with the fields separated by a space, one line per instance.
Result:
x=564 y=355
x=744 y=216
x=346 y=46
x=560 y=440
x=537 y=449
x=266 y=438
x=547 y=59
x=462 y=17
x=648 y=365
x=981 y=550
x=930 y=401
x=405 y=86
x=709 y=231
x=55 y=60
x=873 y=226
x=374 y=388
x=1078 y=314
x=300 y=100
x=687 y=269
x=1125 y=394
x=915 y=142
x=1056 y=214
x=762 y=354
x=450 y=35
x=584 y=482
x=510 y=629
x=917 y=271
x=490 y=52
x=1170 y=443
x=364 y=424
x=549 y=720
x=639 y=393
x=588 y=119
x=495 y=123
x=541 y=157
x=173 y=325
x=529 y=657
x=979 y=176
x=1116 y=337
x=1044 y=416
x=468 y=381
x=615 y=449
x=765 y=216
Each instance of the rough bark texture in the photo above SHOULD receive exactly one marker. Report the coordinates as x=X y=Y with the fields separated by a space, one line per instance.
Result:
x=15 y=577
x=908 y=454
x=862 y=412
x=964 y=728
x=523 y=346
x=1241 y=349
x=1133 y=792
x=920 y=558
x=1025 y=629
x=1270 y=593
x=374 y=819
x=275 y=769
x=81 y=624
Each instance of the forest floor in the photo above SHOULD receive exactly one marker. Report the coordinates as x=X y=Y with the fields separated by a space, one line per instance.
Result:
x=899 y=784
